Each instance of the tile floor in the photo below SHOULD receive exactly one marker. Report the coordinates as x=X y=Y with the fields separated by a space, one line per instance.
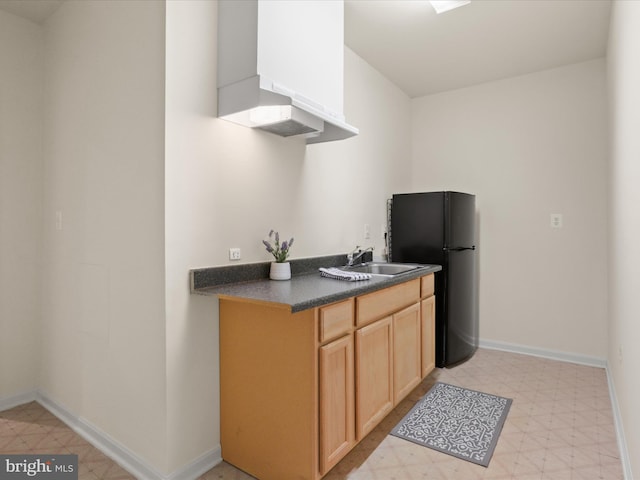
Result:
x=560 y=427
x=31 y=429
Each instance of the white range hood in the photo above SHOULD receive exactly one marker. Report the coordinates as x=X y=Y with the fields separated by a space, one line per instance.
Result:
x=280 y=67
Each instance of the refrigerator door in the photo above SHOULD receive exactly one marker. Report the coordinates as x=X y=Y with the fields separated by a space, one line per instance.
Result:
x=461 y=317
x=461 y=325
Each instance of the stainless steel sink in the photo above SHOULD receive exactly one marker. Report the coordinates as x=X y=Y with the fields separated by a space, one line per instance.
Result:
x=385 y=269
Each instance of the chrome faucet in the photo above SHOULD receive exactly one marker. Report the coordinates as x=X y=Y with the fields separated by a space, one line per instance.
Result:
x=356 y=254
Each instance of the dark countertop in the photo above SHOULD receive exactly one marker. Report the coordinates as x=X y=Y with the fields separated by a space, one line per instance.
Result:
x=307 y=289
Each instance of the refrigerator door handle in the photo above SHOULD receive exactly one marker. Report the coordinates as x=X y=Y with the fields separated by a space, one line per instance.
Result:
x=459 y=249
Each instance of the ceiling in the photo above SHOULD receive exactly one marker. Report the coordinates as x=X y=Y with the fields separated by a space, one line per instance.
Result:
x=424 y=53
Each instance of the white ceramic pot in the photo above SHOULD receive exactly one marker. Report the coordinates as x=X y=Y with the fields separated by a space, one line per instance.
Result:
x=280 y=271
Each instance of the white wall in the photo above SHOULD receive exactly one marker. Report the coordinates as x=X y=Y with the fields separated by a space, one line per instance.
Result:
x=125 y=346
x=527 y=147
x=103 y=355
x=623 y=65
x=192 y=209
x=227 y=186
x=144 y=199
x=20 y=203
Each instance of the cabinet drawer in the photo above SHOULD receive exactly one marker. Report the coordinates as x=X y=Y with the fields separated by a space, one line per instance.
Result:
x=427 y=286
x=336 y=320
x=384 y=302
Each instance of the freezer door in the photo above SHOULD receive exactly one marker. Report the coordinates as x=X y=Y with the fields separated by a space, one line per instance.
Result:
x=460 y=213
x=417 y=227
x=461 y=332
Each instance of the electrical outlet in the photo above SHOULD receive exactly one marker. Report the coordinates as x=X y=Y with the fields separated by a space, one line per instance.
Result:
x=367 y=231
x=234 y=254
x=556 y=220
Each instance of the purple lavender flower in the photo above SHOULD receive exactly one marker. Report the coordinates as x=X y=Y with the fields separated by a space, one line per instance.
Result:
x=279 y=251
x=269 y=247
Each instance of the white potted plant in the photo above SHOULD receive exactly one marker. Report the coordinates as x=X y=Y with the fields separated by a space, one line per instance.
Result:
x=280 y=269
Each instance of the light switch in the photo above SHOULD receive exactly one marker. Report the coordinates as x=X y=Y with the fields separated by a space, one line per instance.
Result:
x=58 y=220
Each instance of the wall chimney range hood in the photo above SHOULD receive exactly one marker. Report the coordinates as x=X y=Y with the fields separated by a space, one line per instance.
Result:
x=280 y=67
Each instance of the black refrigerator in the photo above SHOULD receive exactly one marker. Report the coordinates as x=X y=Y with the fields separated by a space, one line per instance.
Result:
x=439 y=228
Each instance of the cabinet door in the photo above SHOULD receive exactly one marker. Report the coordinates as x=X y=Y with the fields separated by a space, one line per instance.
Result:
x=407 y=366
x=428 y=314
x=374 y=374
x=337 y=404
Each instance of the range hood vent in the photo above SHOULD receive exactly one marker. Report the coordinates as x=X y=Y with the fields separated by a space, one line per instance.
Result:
x=293 y=123
x=288 y=128
x=280 y=67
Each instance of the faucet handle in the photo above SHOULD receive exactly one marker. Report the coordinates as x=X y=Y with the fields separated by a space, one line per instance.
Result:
x=352 y=258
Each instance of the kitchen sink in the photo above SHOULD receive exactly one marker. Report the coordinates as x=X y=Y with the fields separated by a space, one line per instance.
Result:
x=386 y=269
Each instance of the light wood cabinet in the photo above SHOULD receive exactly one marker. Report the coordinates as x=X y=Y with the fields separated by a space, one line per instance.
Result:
x=427 y=286
x=337 y=397
x=388 y=351
x=374 y=377
x=375 y=305
x=428 y=324
x=428 y=328
x=407 y=351
x=337 y=383
x=269 y=389
x=299 y=390
x=336 y=320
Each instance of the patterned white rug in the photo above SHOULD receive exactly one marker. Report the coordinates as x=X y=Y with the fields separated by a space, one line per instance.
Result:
x=454 y=420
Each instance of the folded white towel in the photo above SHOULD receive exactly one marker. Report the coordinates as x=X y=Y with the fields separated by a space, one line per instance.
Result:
x=338 y=274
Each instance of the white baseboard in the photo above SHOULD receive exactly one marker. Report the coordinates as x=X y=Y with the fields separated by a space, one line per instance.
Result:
x=582 y=360
x=14 y=400
x=545 y=353
x=620 y=437
x=103 y=442
x=123 y=456
x=197 y=467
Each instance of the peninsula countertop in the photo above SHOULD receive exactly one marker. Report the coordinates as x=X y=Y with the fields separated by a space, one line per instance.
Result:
x=307 y=289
